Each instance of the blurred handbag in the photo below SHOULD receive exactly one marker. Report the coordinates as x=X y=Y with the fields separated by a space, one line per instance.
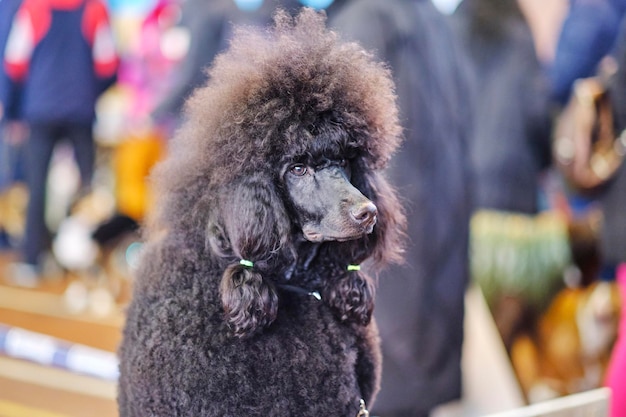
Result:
x=586 y=149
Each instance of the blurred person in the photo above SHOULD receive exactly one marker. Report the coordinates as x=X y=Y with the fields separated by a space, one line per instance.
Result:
x=420 y=305
x=510 y=152
x=510 y=145
x=60 y=56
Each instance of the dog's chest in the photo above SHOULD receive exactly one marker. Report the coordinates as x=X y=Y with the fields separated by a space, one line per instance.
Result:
x=303 y=351
x=306 y=331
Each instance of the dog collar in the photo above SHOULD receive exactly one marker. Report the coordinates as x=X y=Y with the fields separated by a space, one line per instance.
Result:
x=304 y=291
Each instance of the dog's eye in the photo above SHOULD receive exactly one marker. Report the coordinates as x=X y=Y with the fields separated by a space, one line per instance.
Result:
x=298 y=170
x=343 y=163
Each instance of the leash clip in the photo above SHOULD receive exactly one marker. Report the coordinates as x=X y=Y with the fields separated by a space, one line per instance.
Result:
x=362 y=410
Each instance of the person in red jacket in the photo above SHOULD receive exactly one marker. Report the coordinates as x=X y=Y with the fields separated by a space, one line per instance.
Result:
x=60 y=56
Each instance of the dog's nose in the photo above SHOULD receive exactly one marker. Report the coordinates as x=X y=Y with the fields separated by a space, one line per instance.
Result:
x=364 y=213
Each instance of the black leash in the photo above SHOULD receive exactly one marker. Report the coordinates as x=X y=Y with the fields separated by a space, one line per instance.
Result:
x=301 y=291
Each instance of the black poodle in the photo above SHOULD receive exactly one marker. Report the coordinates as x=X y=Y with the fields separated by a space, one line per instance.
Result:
x=249 y=300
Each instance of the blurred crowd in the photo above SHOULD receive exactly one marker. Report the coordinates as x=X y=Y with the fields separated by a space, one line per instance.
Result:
x=511 y=171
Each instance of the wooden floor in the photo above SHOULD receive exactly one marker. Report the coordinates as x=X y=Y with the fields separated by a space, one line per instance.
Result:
x=28 y=389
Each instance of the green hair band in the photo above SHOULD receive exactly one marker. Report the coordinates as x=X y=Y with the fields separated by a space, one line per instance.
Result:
x=354 y=267
x=246 y=263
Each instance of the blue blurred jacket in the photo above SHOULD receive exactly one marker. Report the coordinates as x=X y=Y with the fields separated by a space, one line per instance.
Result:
x=589 y=33
x=65 y=65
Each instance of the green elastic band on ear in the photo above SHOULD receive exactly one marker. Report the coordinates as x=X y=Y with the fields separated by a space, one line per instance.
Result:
x=354 y=267
x=246 y=263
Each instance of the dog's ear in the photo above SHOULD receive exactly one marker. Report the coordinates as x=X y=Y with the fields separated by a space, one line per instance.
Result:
x=351 y=296
x=250 y=302
x=254 y=231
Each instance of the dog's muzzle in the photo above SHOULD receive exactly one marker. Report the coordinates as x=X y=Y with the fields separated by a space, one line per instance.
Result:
x=364 y=215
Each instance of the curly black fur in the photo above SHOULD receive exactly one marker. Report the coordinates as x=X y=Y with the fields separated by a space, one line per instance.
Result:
x=279 y=163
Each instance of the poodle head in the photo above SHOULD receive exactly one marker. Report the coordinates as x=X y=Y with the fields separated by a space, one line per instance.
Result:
x=325 y=204
x=282 y=148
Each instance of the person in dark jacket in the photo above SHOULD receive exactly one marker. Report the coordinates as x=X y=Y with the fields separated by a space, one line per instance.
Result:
x=510 y=147
x=61 y=56
x=420 y=305
x=510 y=152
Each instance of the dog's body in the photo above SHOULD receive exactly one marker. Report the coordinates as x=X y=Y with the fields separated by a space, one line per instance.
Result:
x=249 y=300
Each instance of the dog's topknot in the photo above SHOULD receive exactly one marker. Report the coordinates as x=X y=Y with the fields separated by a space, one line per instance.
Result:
x=267 y=89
